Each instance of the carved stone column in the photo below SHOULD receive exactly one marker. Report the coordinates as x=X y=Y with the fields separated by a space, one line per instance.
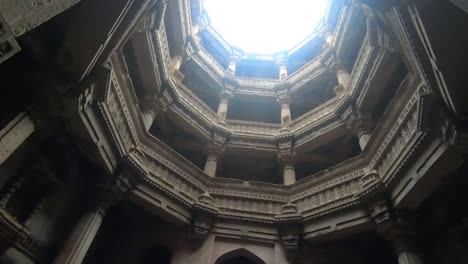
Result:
x=176 y=64
x=280 y=60
x=406 y=253
x=282 y=96
x=211 y=163
x=215 y=150
x=223 y=106
x=343 y=76
x=361 y=125
x=230 y=86
x=286 y=156
x=289 y=173
x=235 y=56
x=404 y=239
x=75 y=248
x=285 y=112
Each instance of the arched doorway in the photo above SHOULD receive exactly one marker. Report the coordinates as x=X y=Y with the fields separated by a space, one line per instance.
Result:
x=239 y=256
x=156 y=255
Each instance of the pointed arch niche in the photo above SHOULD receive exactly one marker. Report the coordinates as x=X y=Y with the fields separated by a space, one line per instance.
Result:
x=239 y=256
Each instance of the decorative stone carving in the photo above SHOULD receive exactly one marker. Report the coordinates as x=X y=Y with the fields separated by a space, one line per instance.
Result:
x=157 y=16
x=361 y=125
x=8 y=44
x=203 y=219
x=291 y=237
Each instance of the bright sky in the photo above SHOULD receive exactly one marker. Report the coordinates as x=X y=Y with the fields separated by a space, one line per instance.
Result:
x=265 y=26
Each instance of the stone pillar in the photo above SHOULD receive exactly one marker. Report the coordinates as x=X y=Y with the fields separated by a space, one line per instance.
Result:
x=75 y=248
x=400 y=227
x=405 y=247
x=223 y=107
x=289 y=173
x=176 y=64
x=283 y=72
x=82 y=236
x=287 y=157
x=344 y=79
x=283 y=98
x=14 y=134
x=211 y=163
x=285 y=112
x=280 y=60
x=148 y=118
x=234 y=58
x=361 y=125
x=224 y=97
x=343 y=76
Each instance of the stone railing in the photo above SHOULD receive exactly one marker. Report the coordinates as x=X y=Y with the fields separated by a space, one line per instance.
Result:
x=252 y=128
x=212 y=62
x=314 y=117
x=195 y=103
x=256 y=83
x=305 y=71
x=253 y=86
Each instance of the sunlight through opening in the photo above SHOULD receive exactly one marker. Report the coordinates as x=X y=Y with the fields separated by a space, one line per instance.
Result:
x=265 y=26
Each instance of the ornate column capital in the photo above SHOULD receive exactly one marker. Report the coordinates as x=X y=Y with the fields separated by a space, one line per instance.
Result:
x=282 y=92
x=286 y=153
x=359 y=122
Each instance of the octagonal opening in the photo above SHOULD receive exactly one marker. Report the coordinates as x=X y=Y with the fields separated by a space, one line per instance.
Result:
x=265 y=26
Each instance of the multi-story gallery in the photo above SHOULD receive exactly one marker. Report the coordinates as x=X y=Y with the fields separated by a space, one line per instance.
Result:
x=135 y=131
